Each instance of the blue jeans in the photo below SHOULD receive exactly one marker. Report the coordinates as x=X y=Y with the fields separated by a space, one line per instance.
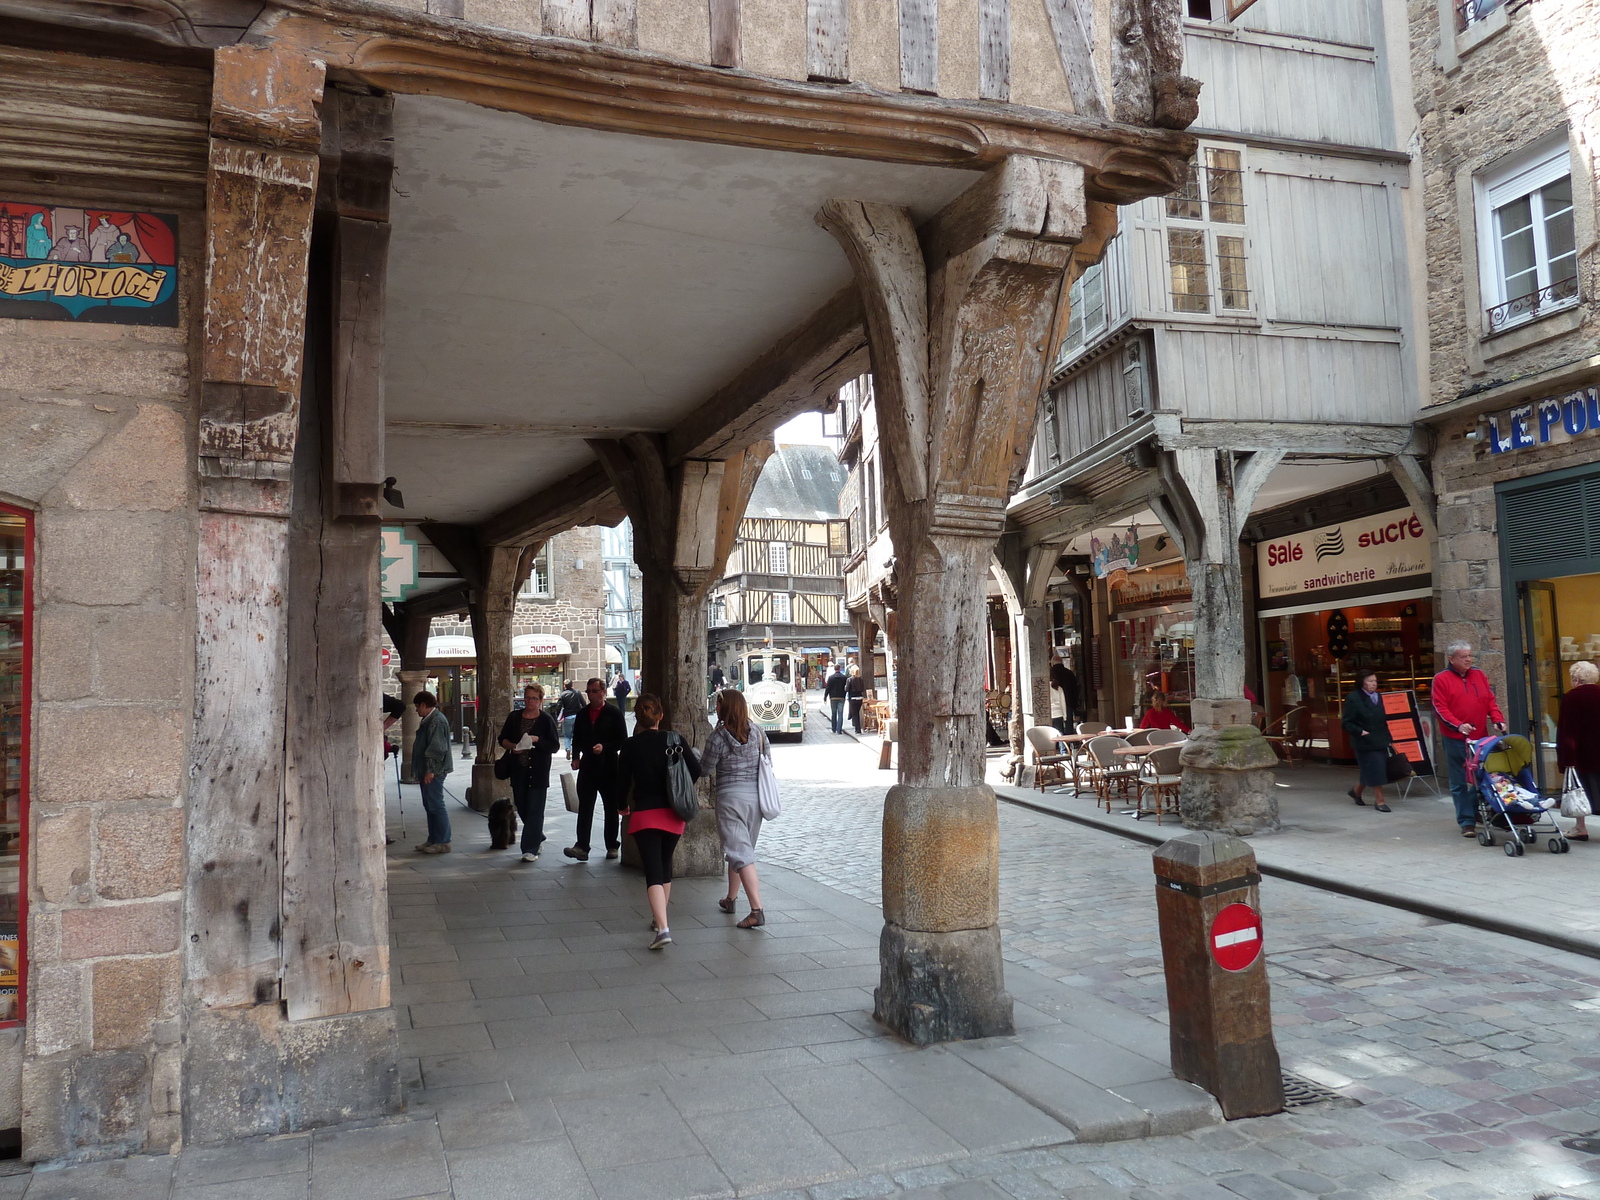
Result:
x=1461 y=789
x=836 y=707
x=438 y=815
x=566 y=732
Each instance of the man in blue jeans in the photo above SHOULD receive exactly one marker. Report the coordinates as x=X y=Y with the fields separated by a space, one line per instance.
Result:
x=836 y=690
x=431 y=759
x=1466 y=707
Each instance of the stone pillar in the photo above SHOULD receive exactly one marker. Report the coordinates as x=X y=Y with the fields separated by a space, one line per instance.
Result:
x=411 y=682
x=958 y=315
x=1227 y=776
x=492 y=609
x=1024 y=575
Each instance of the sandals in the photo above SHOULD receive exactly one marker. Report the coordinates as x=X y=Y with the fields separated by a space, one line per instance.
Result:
x=726 y=904
x=756 y=919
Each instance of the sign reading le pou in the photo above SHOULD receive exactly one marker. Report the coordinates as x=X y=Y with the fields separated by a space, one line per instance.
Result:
x=1541 y=422
x=1390 y=546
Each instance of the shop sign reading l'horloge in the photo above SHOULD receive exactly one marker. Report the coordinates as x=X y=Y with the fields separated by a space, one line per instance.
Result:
x=1554 y=419
x=60 y=263
x=1391 y=546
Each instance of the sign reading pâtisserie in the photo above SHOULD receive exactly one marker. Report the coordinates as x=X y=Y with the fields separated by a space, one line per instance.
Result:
x=1389 y=547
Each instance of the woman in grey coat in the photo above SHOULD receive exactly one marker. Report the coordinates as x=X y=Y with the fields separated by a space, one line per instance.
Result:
x=734 y=753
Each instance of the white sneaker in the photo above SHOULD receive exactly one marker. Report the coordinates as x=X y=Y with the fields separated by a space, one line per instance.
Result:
x=534 y=857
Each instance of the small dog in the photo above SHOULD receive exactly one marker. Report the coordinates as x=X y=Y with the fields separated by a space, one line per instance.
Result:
x=502 y=824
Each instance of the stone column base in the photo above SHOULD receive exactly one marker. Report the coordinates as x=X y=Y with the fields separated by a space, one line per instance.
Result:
x=486 y=789
x=1228 y=781
x=942 y=987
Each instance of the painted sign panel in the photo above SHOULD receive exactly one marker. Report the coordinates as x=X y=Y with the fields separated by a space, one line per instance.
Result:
x=60 y=263
x=1550 y=421
x=397 y=563
x=1390 y=547
x=1119 y=554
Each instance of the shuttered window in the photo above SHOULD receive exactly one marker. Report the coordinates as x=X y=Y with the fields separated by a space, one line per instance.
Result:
x=1551 y=528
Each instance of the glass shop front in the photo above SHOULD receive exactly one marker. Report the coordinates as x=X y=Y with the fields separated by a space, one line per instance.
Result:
x=16 y=648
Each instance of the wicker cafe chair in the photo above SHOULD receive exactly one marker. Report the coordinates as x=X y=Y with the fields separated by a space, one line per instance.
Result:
x=1141 y=737
x=1049 y=764
x=1108 y=773
x=1288 y=737
x=1166 y=737
x=1162 y=781
x=1092 y=727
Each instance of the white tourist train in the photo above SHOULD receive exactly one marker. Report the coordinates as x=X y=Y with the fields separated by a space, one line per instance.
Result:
x=767 y=679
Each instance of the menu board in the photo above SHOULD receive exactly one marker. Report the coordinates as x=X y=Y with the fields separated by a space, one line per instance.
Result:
x=1405 y=727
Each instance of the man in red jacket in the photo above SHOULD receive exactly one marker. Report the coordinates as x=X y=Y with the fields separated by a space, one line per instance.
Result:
x=1467 y=709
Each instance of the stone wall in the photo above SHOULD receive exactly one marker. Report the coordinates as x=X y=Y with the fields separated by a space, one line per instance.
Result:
x=95 y=423
x=1518 y=86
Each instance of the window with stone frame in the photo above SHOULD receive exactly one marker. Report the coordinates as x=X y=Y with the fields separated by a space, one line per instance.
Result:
x=1206 y=239
x=1470 y=12
x=1527 y=251
x=538 y=582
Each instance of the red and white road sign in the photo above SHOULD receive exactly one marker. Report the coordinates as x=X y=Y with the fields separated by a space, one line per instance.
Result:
x=1236 y=937
x=386 y=656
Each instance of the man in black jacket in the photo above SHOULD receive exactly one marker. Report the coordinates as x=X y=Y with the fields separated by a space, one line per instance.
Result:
x=837 y=689
x=597 y=735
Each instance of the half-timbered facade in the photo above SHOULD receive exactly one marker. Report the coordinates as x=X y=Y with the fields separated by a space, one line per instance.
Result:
x=783 y=584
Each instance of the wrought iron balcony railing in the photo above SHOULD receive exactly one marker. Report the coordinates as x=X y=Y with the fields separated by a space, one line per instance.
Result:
x=1468 y=11
x=1561 y=294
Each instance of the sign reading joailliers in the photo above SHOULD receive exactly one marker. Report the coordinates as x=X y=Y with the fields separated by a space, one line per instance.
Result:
x=1389 y=547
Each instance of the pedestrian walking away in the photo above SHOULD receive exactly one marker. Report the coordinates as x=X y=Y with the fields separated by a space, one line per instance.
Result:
x=1466 y=707
x=529 y=736
x=622 y=688
x=1063 y=681
x=717 y=677
x=597 y=735
x=641 y=777
x=855 y=689
x=1368 y=726
x=567 y=706
x=837 y=691
x=1578 y=736
x=734 y=752
x=432 y=755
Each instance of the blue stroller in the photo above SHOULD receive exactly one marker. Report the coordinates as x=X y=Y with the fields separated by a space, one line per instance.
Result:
x=1509 y=803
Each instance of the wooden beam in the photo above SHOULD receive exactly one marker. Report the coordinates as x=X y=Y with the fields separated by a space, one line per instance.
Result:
x=994 y=49
x=1295 y=437
x=453 y=599
x=1075 y=48
x=726 y=50
x=1408 y=472
x=919 y=46
x=615 y=22
x=806 y=365
x=828 y=40
x=466 y=430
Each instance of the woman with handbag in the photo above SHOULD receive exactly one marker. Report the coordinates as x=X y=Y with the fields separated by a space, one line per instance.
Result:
x=735 y=752
x=530 y=768
x=1578 y=740
x=1368 y=726
x=643 y=782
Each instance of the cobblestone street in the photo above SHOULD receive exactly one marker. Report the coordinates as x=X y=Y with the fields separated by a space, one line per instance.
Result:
x=1462 y=1059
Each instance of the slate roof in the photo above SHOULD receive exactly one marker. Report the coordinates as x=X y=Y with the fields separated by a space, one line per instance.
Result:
x=799 y=482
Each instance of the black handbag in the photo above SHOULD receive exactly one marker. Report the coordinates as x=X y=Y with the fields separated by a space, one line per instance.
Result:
x=1399 y=767
x=502 y=766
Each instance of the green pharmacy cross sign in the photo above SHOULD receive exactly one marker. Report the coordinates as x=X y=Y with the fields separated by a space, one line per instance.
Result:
x=397 y=563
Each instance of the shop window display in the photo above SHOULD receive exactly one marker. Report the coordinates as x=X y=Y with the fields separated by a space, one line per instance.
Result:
x=15 y=647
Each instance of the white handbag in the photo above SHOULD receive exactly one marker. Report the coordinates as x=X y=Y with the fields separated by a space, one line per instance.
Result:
x=767 y=802
x=1574 y=800
x=569 y=790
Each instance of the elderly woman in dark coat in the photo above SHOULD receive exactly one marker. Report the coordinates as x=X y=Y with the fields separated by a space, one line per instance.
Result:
x=1368 y=726
x=1578 y=736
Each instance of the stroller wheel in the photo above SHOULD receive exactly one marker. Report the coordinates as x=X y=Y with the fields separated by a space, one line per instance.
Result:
x=1485 y=838
x=1528 y=836
x=1555 y=845
x=1566 y=846
x=1513 y=849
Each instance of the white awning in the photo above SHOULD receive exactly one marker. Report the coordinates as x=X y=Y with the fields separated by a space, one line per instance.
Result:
x=613 y=655
x=451 y=645
x=540 y=645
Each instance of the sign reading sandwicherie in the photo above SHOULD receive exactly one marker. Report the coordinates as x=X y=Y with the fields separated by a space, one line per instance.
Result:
x=1553 y=419
x=1391 y=546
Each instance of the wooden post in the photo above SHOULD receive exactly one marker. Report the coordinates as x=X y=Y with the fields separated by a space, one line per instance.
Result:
x=335 y=912
x=1219 y=1002
x=1227 y=781
x=958 y=316
x=409 y=632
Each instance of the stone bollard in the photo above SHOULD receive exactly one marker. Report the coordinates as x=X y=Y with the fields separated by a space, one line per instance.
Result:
x=1209 y=909
x=1227 y=771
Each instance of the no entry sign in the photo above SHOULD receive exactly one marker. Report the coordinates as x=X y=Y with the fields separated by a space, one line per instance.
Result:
x=1236 y=937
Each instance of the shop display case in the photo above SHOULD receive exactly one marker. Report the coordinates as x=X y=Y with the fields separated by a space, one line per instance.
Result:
x=15 y=647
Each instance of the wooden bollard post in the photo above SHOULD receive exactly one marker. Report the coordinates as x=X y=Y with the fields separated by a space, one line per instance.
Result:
x=1208 y=903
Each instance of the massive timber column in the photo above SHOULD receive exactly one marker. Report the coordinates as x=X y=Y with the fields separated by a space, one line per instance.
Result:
x=958 y=317
x=1023 y=575
x=280 y=922
x=1227 y=781
x=684 y=521
x=409 y=632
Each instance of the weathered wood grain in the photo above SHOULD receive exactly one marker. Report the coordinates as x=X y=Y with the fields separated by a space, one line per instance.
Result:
x=565 y=18
x=726 y=35
x=828 y=39
x=616 y=22
x=357 y=386
x=232 y=901
x=994 y=49
x=919 y=46
x=1075 y=47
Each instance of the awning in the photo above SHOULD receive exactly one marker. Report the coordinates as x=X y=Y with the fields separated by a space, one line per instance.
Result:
x=613 y=655
x=451 y=645
x=540 y=645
